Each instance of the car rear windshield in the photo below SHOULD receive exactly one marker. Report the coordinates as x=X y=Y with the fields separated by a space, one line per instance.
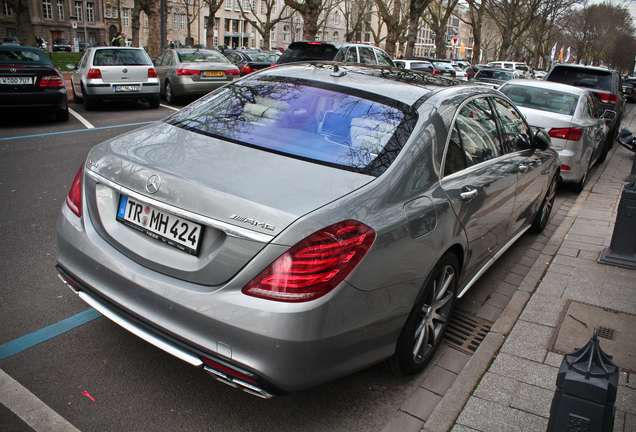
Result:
x=262 y=57
x=494 y=74
x=201 y=56
x=326 y=124
x=416 y=66
x=542 y=99
x=590 y=78
x=23 y=56
x=308 y=52
x=121 y=57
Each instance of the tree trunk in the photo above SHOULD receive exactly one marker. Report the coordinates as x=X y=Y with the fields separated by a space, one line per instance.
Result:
x=209 y=36
x=135 y=24
x=476 y=44
x=24 y=26
x=416 y=8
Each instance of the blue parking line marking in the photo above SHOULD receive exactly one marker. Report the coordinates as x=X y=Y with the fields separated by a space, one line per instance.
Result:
x=78 y=130
x=39 y=336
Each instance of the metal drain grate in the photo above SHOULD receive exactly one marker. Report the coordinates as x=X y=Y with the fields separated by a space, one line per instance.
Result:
x=465 y=332
x=607 y=333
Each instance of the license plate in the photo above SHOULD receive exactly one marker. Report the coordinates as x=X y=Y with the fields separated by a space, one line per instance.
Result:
x=16 y=80
x=173 y=230
x=213 y=73
x=127 y=88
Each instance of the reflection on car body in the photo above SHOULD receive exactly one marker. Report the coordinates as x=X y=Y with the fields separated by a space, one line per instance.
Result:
x=343 y=209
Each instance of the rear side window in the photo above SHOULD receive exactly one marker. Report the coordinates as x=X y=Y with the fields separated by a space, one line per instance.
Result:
x=514 y=130
x=383 y=58
x=121 y=57
x=308 y=52
x=201 y=56
x=24 y=56
x=542 y=99
x=304 y=120
x=590 y=78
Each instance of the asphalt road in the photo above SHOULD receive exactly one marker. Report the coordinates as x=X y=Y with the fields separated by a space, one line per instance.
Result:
x=136 y=386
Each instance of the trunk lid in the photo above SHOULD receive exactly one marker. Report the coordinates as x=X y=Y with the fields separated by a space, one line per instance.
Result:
x=243 y=197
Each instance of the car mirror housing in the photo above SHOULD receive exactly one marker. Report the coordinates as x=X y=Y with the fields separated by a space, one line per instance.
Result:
x=541 y=139
x=609 y=115
x=70 y=66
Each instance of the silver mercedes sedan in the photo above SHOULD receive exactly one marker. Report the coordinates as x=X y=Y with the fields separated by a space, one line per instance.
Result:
x=306 y=221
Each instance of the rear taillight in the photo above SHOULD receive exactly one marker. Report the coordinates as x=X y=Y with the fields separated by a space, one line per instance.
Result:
x=572 y=134
x=246 y=69
x=565 y=168
x=74 y=197
x=54 y=81
x=233 y=72
x=94 y=74
x=152 y=73
x=437 y=71
x=186 y=72
x=607 y=98
x=314 y=266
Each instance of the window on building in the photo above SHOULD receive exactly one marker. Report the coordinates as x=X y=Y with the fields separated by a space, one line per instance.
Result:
x=6 y=9
x=176 y=21
x=90 y=16
x=115 y=12
x=336 y=36
x=272 y=36
x=107 y=12
x=182 y=21
x=78 y=11
x=336 y=18
x=228 y=4
x=60 y=9
x=262 y=6
x=125 y=14
x=237 y=5
x=247 y=5
x=228 y=25
x=47 y=11
x=254 y=5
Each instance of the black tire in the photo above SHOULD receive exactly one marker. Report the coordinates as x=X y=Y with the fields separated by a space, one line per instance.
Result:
x=170 y=97
x=543 y=215
x=426 y=325
x=89 y=103
x=578 y=187
x=76 y=98
x=154 y=102
x=61 y=115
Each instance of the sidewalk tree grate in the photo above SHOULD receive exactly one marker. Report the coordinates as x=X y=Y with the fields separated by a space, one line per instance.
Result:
x=607 y=333
x=465 y=332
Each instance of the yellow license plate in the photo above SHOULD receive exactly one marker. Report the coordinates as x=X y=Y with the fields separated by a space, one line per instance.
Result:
x=213 y=73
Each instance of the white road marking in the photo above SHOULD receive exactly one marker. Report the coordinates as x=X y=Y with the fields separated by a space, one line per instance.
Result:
x=81 y=119
x=38 y=415
x=172 y=108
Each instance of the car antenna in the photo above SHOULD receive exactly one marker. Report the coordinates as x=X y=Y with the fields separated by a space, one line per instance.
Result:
x=337 y=72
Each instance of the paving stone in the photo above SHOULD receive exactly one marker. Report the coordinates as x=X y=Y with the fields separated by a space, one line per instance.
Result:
x=453 y=360
x=520 y=269
x=404 y=422
x=524 y=370
x=489 y=312
x=528 y=340
x=618 y=298
x=561 y=269
x=585 y=239
x=514 y=279
x=421 y=403
x=553 y=359
x=582 y=246
x=572 y=252
x=533 y=253
x=488 y=416
x=622 y=378
x=497 y=300
x=544 y=310
x=496 y=388
x=631 y=380
x=553 y=285
x=506 y=289
x=532 y=399
x=626 y=400
x=439 y=380
x=461 y=428
x=527 y=261
x=630 y=423
x=619 y=421
x=592 y=256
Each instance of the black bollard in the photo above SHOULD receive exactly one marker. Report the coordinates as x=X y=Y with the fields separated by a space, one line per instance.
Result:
x=587 y=384
x=622 y=250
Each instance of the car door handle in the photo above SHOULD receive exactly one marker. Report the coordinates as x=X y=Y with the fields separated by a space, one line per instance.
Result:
x=468 y=195
x=523 y=168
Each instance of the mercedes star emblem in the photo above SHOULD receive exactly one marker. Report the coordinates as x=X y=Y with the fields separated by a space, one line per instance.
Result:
x=153 y=183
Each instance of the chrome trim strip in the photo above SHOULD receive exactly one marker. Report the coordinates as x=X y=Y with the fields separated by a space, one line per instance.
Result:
x=163 y=344
x=227 y=228
x=492 y=260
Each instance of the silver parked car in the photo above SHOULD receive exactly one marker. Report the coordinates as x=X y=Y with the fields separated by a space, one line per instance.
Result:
x=306 y=221
x=571 y=117
x=193 y=72
x=115 y=73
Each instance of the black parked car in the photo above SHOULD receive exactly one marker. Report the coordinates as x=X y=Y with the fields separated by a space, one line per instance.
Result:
x=340 y=52
x=605 y=84
x=61 y=45
x=29 y=81
x=250 y=61
x=629 y=89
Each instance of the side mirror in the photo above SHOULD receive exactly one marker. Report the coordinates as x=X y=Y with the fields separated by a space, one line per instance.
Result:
x=541 y=139
x=70 y=67
x=609 y=115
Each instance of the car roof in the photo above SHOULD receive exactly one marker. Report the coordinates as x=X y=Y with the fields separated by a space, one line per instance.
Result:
x=583 y=67
x=565 y=88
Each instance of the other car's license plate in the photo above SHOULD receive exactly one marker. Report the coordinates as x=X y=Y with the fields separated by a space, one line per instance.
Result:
x=173 y=230
x=16 y=80
x=126 y=88
x=213 y=73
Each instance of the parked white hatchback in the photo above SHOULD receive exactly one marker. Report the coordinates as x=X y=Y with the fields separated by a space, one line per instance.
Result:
x=115 y=73
x=571 y=117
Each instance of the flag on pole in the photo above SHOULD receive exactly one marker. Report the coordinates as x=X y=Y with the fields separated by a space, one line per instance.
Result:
x=568 y=56
x=561 y=54
x=553 y=51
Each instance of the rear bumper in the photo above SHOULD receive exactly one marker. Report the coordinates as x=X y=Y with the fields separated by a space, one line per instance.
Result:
x=573 y=159
x=185 y=86
x=47 y=100
x=106 y=91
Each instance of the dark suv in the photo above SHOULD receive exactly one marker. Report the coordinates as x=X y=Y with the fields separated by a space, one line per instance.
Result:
x=61 y=45
x=340 y=52
x=606 y=85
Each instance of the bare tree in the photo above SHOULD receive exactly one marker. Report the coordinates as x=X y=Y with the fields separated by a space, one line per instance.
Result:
x=24 y=25
x=439 y=12
x=513 y=17
x=213 y=7
x=354 y=12
x=475 y=19
x=151 y=9
x=416 y=10
x=550 y=16
x=314 y=13
x=396 y=20
x=264 y=27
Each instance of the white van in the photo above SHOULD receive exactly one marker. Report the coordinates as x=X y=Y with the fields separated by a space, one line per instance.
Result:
x=527 y=72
